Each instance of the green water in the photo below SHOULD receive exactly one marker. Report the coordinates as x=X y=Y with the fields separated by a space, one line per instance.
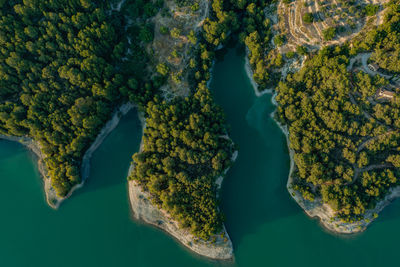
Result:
x=94 y=227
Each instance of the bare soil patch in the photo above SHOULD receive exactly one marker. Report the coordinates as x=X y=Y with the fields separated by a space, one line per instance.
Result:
x=347 y=20
x=173 y=49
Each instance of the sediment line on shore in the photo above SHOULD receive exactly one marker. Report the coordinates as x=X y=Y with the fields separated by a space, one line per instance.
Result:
x=317 y=209
x=52 y=199
x=144 y=211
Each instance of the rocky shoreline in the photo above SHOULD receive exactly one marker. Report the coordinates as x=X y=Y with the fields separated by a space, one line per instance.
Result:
x=52 y=199
x=323 y=211
x=249 y=73
x=144 y=211
x=317 y=209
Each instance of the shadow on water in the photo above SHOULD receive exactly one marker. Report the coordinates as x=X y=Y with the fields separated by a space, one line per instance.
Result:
x=390 y=212
x=254 y=192
x=106 y=176
x=95 y=224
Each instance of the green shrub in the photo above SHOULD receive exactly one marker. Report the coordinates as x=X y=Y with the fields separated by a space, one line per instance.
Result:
x=175 y=32
x=279 y=40
x=164 y=30
x=329 y=33
x=162 y=69
x=308 y=18
x=290 y=54
x=302 y=50
x=371 y=10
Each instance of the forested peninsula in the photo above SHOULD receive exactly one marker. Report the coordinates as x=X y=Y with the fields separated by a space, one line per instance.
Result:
x=340 y=115
x=65 y=68
x=185 y=152
x=336 y=93
x=70 y=69
x=186 y=149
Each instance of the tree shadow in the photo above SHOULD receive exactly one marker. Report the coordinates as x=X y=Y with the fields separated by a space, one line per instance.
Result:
x=113 y=157
x=254 y=191
x=389 y=213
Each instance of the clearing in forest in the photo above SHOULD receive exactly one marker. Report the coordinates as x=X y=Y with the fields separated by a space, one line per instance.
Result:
x=317 y=23
x=174 y=34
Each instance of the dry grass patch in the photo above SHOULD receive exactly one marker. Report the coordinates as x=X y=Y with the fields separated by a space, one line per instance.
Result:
x=333 y=21
x=171 y=45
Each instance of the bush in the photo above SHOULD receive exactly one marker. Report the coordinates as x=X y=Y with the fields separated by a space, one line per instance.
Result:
x=164 y=30
x=308 y=18
x=371 y=10
x=329 y=33
x=302 y=50
x=175 y=33
x=162 y=69
x=195 y=7
x=290 y=54
x=279 y=40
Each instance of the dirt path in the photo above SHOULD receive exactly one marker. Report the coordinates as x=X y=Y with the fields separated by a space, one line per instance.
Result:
x=372 y=139
x=358 y=171
x=312 y=9
x=312 y=34
x=354 y=102
x=364 y=60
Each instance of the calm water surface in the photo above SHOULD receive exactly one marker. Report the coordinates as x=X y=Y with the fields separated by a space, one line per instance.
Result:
x=95 y=228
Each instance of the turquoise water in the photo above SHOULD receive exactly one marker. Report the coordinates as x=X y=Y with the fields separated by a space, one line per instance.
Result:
x=95 y=228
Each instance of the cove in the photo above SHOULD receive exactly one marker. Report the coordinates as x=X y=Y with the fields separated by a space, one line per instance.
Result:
x=94 y=227
x=266 y=226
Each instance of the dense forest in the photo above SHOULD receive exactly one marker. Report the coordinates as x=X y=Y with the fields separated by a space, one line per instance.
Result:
x=64 y=68
x=67 y=65
x=185 y=145
x=247 y=20
x=339 y=134
x=185 y=148
x=383 y=41
x=345 y=139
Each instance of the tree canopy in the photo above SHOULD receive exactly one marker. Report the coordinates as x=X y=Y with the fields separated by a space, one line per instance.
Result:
x=62 y=74
x=185 y=149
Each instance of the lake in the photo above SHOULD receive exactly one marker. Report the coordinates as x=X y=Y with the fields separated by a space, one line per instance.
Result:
x=95 y=227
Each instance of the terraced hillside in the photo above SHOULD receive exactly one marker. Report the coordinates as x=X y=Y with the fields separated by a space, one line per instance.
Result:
x=317 y=23
x=175 y=34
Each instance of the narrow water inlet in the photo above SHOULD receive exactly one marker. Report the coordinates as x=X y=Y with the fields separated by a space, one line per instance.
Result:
x=94 y=227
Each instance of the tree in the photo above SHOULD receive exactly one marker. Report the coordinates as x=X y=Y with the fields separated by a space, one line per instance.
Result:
x=302 y=50
x=175 y=33
x=308 y=18
x=162 y=69
x=279 y=40
x=329 y=33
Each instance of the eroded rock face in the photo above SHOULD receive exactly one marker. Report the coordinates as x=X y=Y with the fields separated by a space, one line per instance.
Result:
x=52 y=198
x=144 y=210
x=327 y=216
x=324 y=212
